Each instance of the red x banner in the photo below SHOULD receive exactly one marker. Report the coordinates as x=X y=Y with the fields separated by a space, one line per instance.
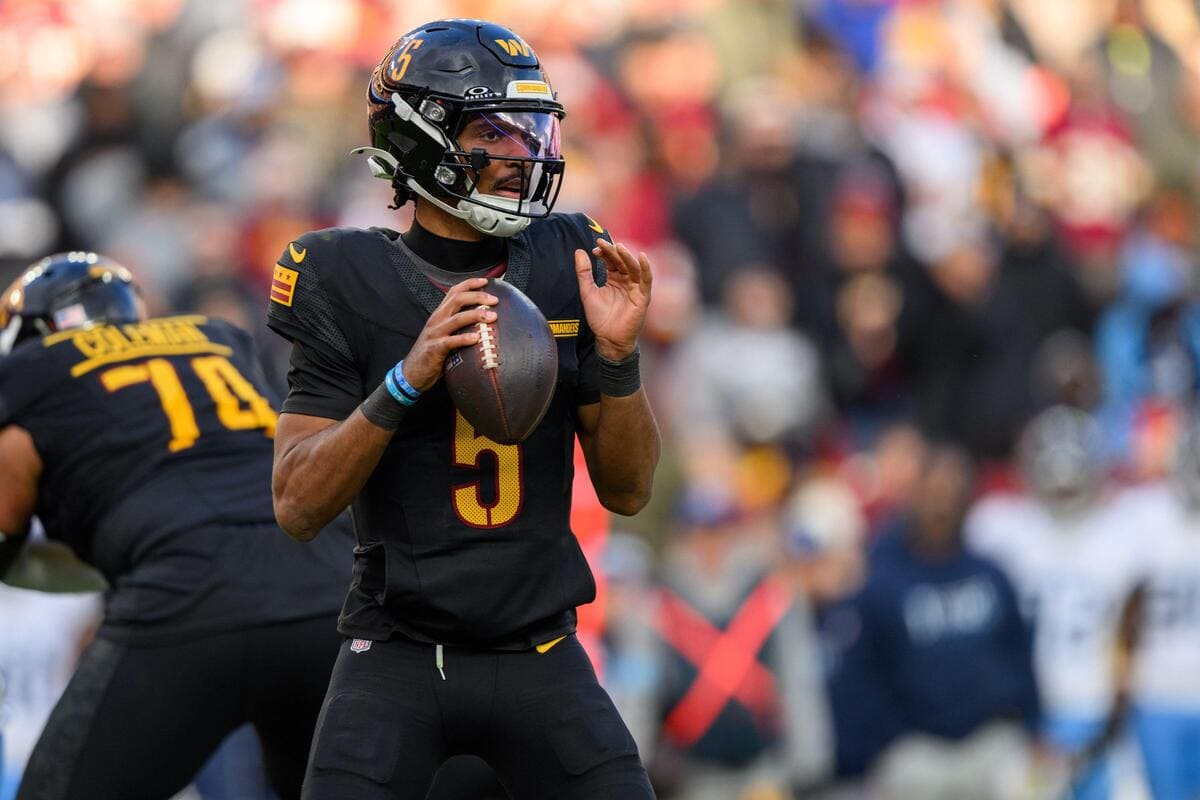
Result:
x=726 y=660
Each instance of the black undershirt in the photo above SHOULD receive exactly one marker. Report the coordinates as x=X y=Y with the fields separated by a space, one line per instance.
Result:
x=455 y=255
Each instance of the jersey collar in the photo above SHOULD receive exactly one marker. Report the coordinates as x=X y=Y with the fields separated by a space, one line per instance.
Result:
x=430 y=297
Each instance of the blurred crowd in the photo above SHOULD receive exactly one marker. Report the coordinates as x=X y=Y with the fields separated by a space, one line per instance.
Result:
x=925 y=344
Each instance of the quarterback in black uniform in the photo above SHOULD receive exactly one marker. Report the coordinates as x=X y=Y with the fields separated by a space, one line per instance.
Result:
x=461 y=612
x=145 y=446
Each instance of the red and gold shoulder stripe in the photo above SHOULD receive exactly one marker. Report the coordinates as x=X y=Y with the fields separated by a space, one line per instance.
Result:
x=283 y=285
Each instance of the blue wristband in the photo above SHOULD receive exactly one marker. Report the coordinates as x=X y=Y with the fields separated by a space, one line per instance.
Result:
x=398 y=387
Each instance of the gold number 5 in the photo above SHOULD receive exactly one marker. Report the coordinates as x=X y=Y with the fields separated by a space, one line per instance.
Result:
x=400 y=65
x=468 y=447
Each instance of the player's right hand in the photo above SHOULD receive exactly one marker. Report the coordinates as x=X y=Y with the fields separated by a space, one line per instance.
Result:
x=464 y=305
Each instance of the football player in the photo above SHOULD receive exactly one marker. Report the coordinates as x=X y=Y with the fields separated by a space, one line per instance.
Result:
x=1166 y=665
x=145 y=446
x=461 y=614
x=1075 y=557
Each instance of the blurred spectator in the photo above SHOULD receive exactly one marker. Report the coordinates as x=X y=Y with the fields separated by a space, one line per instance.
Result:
x=1065 y=372
x=1166 y=671
x=856 y=25
x=823 y=530
x=1094 y=179
x=42 y=638
x=740 y=690
x=823 y=561
x=885 y=477
x=1148 y=342
x=936 y=694
x=1145 y=80
x=744 y=377
x=748 y=213
x=1033 y=294
x=1069 y=549
x=954 y=338
x=852 y=292
x=629 y=641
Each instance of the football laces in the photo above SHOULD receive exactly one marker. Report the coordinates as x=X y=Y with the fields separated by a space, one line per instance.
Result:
x=487 y=345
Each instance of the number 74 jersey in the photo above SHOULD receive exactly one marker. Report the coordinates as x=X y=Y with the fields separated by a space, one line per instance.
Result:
x=143 y=429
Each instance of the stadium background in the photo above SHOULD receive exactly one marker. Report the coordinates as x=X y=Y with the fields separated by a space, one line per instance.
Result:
x=874 y=223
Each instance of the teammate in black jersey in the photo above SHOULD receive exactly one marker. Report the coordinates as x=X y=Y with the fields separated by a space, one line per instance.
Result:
x=461 y=612
x=145 y=445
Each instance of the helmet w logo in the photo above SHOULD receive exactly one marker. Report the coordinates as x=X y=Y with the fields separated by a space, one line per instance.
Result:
x=514 y=47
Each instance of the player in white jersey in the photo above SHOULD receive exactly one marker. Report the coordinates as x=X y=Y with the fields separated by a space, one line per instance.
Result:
x=40 y=641
x=1070 y=552
x=1166 y=670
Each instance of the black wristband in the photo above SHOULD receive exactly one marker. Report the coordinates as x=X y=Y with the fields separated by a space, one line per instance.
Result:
x=620 y=378
x=382 y=410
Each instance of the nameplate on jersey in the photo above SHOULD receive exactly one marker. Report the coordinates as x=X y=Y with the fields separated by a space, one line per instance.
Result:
x=283 y=284
x=107 y=344
x=564 y=328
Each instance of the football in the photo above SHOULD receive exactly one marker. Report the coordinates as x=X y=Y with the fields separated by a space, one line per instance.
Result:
x=504 y=383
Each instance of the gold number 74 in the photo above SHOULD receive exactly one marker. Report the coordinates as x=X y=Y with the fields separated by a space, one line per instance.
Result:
x=228 y=388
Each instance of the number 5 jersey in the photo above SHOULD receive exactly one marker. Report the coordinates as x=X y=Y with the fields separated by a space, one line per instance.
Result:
x=462 y=540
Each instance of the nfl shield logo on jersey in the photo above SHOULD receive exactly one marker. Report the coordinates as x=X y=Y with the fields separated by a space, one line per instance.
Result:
x=360 y=645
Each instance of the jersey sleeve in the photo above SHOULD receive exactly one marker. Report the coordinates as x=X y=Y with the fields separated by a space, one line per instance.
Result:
x=320 y=386
x=323 y=376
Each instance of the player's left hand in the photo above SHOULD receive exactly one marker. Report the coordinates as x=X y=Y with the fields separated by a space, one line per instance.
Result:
x=615 y=311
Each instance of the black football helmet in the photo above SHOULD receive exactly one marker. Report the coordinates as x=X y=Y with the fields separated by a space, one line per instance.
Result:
x=433 y=82
x=66 y=290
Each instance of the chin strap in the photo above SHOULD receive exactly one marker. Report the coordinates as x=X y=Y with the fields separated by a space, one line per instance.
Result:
x=493 y=222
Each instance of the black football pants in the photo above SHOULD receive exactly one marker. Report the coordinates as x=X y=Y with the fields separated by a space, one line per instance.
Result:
x=541 y=720
x=137 y=723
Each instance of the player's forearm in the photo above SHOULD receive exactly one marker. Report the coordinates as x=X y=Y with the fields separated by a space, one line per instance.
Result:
x=318 y=473
x=624 y=453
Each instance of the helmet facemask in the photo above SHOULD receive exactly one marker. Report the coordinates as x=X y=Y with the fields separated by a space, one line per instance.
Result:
x=509 y=162
x=500 y=168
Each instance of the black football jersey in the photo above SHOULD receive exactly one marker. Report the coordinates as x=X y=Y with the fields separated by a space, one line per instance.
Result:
x=156 y=443
x=460 y=540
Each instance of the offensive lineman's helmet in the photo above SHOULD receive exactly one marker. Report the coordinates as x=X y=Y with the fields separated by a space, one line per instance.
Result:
x=442 y=75
x=66 y=290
